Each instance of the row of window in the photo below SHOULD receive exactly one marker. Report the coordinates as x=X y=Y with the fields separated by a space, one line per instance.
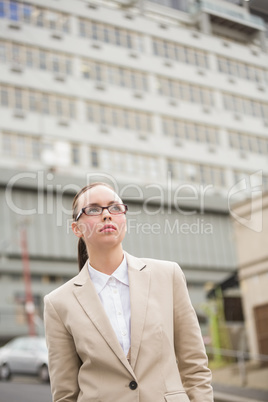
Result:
x=239 y=104
x=127 y=162
x=118 y=117
x=21 y=146
x=246 y=142
x=30 y=148
x=110 y=34
x=241 y=175
x=241 y=69
x=57 y=105
x=34 y=57
x=181 y=53
x=35 y=101
x=196 y=173
x=114 y=75
x=34 y=15
x=189 y=131
x=185 y=91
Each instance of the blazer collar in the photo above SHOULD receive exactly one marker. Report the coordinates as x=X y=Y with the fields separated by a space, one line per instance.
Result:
x=139 y=279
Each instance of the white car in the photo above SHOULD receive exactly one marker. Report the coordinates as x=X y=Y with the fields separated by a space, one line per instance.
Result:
x=24 y=355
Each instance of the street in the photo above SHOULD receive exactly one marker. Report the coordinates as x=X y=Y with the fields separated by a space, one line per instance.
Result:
x=29 y=389
x=24 y=389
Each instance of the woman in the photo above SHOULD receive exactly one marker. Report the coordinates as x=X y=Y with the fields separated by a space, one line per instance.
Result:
x=123 y=329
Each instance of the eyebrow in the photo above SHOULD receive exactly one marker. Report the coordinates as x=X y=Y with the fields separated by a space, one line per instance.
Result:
x=95 y=204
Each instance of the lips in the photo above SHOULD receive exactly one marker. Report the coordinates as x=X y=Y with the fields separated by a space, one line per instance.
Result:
x=108 y=228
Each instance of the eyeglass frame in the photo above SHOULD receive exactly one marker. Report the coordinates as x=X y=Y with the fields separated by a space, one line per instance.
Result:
x=82 y=211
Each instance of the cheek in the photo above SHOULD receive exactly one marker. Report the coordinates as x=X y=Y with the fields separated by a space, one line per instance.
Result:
x=89 y=227
x=121 y=220
x=122 y=224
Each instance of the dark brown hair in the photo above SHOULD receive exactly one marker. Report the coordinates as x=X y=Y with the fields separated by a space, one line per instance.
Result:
x=82 y=249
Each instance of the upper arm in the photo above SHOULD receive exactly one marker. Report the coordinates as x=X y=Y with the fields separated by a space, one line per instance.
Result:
x=189 y=346
x=64 y=362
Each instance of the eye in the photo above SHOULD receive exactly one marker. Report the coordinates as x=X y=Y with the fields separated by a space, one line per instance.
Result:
x=116 y=208
x=92 y=210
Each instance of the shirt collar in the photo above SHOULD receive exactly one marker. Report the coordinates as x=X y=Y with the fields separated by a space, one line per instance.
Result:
x=100 y=279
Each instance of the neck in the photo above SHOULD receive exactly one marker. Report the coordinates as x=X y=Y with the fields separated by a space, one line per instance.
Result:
x=108 y=261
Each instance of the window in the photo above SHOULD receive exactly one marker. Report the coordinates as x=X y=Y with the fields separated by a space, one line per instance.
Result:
x=75 y=155
x=179 y=52
x=34 y=15
x=189 y=131
x=36 y=149
x=21 y=146
x=246 y=142
x=241 y=70
x=114 y=75
x=2 y=9
x=42 y=60
x=117 y=117
x=110 y=34
x=185 y=91
x=2 y=52
x=37 y=102
x=94 y=157
x=32 y=57
x=196 y=173
x=6 y=144
x=18 y=99
x=247 y=106
x=4 y=96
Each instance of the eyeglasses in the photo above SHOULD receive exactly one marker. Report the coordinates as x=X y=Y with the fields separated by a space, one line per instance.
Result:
x=114 y=209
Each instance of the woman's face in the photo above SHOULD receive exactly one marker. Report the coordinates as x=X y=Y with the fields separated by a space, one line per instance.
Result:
x=105 y=230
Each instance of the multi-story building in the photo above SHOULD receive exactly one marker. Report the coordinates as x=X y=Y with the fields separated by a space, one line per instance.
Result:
x=166 y=99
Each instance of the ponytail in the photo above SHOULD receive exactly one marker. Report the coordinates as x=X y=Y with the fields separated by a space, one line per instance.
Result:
x=82 y=253
x=82 y=249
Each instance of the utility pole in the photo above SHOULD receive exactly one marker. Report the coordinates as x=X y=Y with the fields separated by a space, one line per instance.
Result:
x=29 y=304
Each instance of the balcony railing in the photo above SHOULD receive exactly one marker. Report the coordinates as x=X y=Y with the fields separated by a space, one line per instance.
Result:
x=237 y=14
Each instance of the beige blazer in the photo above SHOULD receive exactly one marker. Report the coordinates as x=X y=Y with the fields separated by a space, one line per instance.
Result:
x=168 y=360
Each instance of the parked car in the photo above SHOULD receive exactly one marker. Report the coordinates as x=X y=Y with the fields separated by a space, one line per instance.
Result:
x=24 y=355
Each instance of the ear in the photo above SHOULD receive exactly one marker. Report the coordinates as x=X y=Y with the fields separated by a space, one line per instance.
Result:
x=76 y=230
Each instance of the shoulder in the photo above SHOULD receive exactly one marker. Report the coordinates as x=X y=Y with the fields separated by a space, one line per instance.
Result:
x=64 y=290
x=157 y=267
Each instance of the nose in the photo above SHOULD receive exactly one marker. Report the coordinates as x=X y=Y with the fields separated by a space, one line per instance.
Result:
x=106 y=214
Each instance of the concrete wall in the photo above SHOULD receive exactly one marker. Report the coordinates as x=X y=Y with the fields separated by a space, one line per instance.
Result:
x=252 y=254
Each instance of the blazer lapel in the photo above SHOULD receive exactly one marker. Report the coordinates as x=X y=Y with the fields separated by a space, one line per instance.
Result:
x=89 y=300
x=139 y=280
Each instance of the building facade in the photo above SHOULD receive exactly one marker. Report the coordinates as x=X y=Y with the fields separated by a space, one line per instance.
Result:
x=252 y=254
x=167 y=100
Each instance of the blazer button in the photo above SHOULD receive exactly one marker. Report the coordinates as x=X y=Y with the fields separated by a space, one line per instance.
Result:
x=133 y=385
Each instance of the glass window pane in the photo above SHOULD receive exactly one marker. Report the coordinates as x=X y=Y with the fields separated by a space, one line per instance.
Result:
x=94 y=158
x=45 y=104
x=18 y=99
x=21 y=147
x=27 y=12
x=2 y=9
x=2 y=52
x=75 y=155
x=4 y=97
x=36 y=149
x=7 y=144
x=42 y=60
x=14 y=11
x=29 y=58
